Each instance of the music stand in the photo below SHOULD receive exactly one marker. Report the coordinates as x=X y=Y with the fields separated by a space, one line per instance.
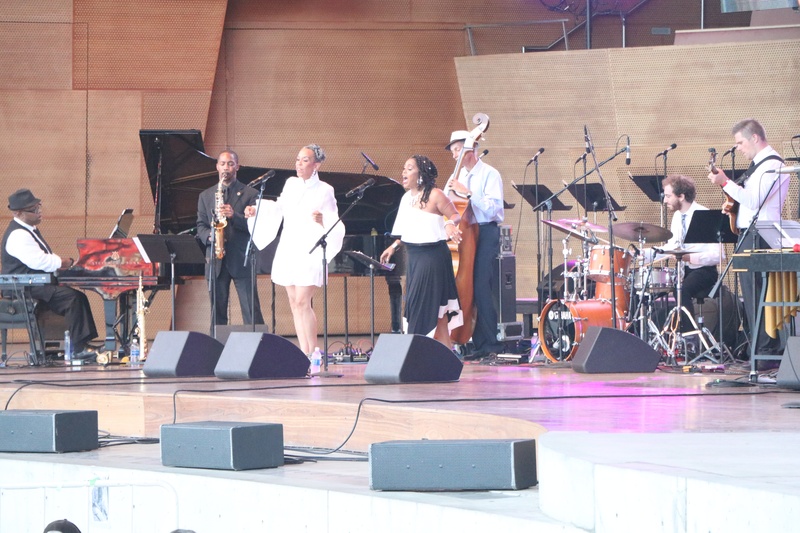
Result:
x=592 y=197
x=534 y=195
x=709 y=226
x=529 y=193
x=651 y=187
x=172 y=249
x=373 y=265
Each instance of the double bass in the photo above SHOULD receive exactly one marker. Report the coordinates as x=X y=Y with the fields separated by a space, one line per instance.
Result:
x=464 y=253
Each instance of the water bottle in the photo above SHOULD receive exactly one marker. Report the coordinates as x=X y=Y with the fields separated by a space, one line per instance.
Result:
x=534 y=345
x=316 y=361
x=67 y=347
x=134 y=352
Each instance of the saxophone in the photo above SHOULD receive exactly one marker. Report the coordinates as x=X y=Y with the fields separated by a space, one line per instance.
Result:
x=219 y=223
x=141 y=310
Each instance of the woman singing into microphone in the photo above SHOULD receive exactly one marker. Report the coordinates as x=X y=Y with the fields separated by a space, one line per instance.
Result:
x=431 y=298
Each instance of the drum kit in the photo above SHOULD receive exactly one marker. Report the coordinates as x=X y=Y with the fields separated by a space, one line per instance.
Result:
x=586 y=299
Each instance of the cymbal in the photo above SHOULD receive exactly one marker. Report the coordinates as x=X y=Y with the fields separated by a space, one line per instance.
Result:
x=567 y=229
x=672 y=251
x=633 y=231
x=576 y=223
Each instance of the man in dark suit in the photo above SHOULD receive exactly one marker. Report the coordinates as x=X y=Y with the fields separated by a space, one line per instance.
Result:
x=235 y=196
x=24 y=251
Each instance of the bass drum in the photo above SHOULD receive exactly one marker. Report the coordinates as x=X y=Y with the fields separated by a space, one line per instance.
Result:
x=563 y=325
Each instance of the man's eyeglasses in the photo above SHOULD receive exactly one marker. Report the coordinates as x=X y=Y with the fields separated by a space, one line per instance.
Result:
x=37 y=209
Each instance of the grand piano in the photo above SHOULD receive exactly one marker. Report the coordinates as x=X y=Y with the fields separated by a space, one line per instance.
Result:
x=179 y=170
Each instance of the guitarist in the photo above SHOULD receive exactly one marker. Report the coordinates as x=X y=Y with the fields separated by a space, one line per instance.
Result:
x=750 y=192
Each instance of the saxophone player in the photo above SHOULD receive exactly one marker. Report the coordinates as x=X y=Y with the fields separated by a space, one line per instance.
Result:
x=222 y=228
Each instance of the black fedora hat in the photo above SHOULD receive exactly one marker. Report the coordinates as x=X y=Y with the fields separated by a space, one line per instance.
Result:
x=62 y=526
x=22 y=199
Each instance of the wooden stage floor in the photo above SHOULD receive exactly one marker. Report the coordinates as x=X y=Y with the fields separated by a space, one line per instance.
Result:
x=489 y=401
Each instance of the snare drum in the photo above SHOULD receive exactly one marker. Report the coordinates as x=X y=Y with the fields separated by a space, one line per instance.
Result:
x=661 y=279
x=600 y=263
x=563 y=325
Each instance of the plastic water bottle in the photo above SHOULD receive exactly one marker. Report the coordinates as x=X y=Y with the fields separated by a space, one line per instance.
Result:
x=316 y=361
x=67 y=347
x=134 y=355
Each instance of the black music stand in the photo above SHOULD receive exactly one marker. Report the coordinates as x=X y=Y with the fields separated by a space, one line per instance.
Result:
x=529 y=193
x=534 y=196
x=373 y=265
x=651 y=187
x=709 y=226
x=172 y=249
x=592 y=197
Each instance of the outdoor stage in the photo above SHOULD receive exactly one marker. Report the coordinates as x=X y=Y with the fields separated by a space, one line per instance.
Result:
x=616 y=452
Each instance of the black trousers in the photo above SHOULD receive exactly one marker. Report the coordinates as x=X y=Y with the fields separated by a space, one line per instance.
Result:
x=74 y=306
x=697 y=283
x=244 y=290
x=485 y=285
x=751 y=284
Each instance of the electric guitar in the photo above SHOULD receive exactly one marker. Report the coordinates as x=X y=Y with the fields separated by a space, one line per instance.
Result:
x=730 y=206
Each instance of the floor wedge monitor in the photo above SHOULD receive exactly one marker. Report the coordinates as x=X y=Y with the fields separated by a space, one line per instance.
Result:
x=249 y=355
x=411 y=359
x=609 y=350
x=182 y=354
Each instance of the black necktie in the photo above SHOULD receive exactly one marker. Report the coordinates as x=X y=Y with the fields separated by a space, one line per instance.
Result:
x=42 y=241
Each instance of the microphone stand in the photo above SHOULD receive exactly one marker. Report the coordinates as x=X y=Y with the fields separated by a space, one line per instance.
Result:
x=539 y=240
x=323 y=243
x=611 y=218
x=212 y=277
x=663 y=216
x=254 y=261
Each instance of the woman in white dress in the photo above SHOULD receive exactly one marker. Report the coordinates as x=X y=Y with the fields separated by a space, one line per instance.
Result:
x=431 y=296
x=308 y=209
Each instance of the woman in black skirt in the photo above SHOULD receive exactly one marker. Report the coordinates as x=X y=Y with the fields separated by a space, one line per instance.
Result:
x=431 y=298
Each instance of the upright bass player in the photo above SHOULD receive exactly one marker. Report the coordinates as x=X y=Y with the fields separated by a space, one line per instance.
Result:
x=482 y=187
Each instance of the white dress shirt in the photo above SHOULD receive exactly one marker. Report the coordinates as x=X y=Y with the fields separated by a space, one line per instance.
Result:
x=756 y=189
x=25 y=247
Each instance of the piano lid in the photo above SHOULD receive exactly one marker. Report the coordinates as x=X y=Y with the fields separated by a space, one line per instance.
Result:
x=186 y=171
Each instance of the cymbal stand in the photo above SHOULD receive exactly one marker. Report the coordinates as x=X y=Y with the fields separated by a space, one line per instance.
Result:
x=648 y=331
x=672 y=326
x=566 y=251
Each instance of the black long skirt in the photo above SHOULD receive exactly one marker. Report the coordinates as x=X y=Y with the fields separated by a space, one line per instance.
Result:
x=430 y=288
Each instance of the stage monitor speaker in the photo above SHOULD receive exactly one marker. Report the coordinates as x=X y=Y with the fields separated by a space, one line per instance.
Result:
x=249 y=355
x=437 y=465
x=609 y=350
x=789 y=372
x=411 y=359
x=182 y=354
x=222 y=445
x=48 y=431
x=223 y=332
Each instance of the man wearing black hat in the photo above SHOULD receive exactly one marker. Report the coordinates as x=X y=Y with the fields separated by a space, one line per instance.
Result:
x=24 y=251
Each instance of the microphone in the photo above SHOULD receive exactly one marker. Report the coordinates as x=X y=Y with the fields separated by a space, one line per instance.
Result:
x=261 y=179
x=783 y=170
x=628 y=150
x=729 y=151
x=370 y=161
x=483 y=154
x=535 y=157
x=664 y=153
x=581 y=158
x=360 y=189
x=586 y=138
x=796 y=137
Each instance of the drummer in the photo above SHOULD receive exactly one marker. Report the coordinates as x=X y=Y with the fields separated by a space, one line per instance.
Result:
x=700 y=265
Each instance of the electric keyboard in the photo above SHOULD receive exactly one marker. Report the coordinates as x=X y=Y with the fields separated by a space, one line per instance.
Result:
x=16 y=280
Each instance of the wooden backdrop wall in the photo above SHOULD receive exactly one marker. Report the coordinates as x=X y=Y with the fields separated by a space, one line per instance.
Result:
x=81 y=77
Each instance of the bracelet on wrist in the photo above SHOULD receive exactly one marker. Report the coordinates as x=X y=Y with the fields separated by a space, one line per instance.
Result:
x=449 y=223
x=395 y=245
